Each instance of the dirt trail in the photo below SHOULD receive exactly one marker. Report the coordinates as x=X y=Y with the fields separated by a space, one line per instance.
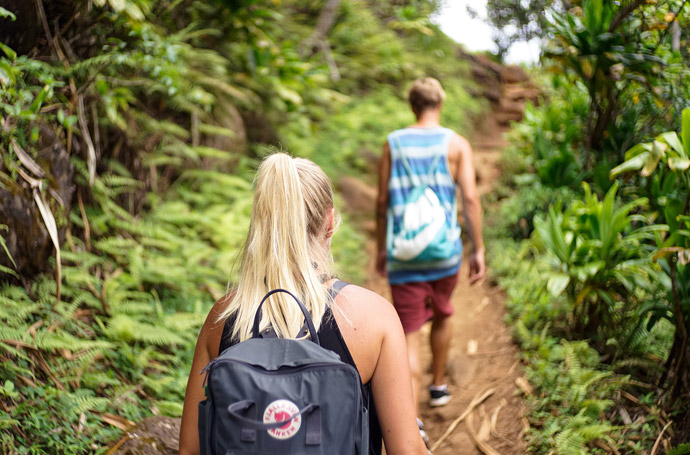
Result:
x=482 y=355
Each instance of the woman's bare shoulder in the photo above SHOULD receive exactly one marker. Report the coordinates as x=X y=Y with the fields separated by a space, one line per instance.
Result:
x=365 y=306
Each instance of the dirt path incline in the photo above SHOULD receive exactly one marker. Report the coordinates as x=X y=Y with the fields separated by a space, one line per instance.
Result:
x=485 y=375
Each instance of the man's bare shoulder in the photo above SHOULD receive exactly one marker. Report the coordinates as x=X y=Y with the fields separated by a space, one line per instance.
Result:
x=459 y=144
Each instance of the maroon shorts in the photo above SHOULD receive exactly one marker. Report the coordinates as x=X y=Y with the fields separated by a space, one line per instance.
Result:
x=418 y=302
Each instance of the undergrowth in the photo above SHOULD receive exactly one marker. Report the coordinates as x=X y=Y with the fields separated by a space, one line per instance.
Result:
x=146 y=109
x=583 y=403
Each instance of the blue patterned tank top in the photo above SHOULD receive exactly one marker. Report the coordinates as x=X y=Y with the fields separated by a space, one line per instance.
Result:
x=421 y=147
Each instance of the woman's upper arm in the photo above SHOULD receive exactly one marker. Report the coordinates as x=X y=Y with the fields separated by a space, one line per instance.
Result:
x=392 y=390
x=207 y=345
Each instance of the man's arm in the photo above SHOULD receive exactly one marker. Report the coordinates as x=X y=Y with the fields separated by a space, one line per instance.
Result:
x=381 y=208
x=472 y=207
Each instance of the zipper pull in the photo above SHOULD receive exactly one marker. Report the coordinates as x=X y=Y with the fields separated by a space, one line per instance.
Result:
x=207 y=370
x=210 y=364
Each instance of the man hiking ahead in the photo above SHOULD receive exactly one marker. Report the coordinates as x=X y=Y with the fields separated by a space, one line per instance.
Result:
x=418 y=235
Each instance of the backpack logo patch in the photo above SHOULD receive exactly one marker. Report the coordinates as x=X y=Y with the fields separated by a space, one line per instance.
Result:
x=280 y=410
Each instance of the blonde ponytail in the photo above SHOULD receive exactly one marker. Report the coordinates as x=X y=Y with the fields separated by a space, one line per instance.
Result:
x=286 y=247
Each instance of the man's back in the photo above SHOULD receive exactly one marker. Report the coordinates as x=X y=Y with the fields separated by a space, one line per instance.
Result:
x=419 y=158
x=441 y=161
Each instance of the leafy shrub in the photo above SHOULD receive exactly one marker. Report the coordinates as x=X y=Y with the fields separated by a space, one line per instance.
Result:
x=601 y=264
x=663 y=163
x=549 y=138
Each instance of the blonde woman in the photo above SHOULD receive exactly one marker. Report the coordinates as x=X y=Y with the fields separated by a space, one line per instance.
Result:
x=288 y=246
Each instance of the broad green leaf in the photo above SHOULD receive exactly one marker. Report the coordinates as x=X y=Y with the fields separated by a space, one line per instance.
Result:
x=38 y=101
x=117 y=5
x=671 y=138
x=134 y=11
x=8 y=271
x=6 y=13
x=655 y=155
x=678 y=164
x=685 y=132
x=632 y=164
x=9 y=52
x=637 y=149
x=593 y=268
x=557 y=284
x=4 y=77
x=288 y=94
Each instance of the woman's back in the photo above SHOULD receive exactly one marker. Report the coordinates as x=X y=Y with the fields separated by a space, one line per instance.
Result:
x=288 y=246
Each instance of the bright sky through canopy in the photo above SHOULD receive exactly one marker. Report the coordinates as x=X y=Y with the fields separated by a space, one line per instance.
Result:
x=475 y=34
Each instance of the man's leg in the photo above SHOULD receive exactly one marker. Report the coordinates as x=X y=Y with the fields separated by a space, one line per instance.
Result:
x=440 y=337
x=412 y=339
x=441 y=332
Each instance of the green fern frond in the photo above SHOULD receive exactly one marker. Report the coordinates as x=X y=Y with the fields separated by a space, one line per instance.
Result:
x=83 y=403
x=570 y=442
x=115 y=246
x=98 y=380
x=121 y=182
x=596 y=431
x=169 y=408
x=100 y=61
x=162 y=160
x=215 y=130
x=15 y=334
x=184 y=322
x=127 y=329
x=49 y=341
x=135 y=308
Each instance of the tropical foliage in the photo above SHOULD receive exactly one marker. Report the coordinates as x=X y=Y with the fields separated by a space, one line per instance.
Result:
x=604 y=270
x=130 y=134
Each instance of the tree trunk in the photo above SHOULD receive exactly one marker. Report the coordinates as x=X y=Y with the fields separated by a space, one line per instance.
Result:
x=27 y=239
x=323 y=26
x=21 y=34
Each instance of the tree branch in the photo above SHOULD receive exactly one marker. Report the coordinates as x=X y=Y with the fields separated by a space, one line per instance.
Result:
x=625 y=12
x=323 y=25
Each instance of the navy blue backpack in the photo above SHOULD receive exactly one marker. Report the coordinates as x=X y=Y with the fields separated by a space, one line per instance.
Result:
x=282 y=396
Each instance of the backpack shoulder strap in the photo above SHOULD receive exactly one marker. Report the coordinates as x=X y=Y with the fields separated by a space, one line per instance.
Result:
x=333 y=291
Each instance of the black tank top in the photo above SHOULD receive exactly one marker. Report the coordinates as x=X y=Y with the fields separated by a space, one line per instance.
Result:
x=331 y=338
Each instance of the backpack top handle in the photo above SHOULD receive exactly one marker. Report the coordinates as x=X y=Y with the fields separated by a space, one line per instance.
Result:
x=305 y=312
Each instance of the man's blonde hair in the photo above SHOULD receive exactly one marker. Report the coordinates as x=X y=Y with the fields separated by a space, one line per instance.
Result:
x=425 y=93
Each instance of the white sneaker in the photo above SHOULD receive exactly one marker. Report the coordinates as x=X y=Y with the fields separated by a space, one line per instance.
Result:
x=440 y=396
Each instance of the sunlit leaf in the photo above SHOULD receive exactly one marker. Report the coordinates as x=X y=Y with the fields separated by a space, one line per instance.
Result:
x=678 y=164
x=11 y=54
x=671 y=138
x=685 y=132
x=7 y=13
x=117 y=5
x=632 y=164
x=557 y=284
x=658 y=149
